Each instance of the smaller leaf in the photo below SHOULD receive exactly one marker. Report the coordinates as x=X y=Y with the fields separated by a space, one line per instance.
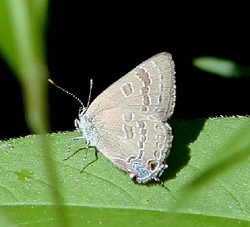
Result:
x=221 y=67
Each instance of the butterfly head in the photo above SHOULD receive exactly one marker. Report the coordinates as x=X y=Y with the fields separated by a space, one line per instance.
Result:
x=79 y=121
x=82 y=111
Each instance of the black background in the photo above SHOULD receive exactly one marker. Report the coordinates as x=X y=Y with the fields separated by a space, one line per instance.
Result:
x=104 y=42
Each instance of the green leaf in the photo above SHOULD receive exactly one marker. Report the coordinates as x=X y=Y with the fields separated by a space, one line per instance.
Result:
x=22 y=45
x=195 y=194
x=221 y=67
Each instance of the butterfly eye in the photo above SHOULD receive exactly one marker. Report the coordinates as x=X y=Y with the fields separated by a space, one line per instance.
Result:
x=82 y=111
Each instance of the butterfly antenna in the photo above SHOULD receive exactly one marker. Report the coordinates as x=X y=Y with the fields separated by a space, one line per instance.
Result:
x=90 y=90
x=53 y=83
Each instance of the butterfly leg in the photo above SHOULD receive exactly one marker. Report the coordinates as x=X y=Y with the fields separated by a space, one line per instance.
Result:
x=70 y=144
x=84 y=159
x=85 y=154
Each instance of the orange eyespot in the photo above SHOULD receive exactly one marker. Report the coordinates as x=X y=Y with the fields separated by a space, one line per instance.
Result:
x=152 y=165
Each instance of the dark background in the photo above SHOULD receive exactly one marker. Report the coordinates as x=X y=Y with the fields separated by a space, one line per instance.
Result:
x=104 y=42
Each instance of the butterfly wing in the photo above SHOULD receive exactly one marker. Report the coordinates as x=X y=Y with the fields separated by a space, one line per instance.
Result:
x=129 y=118
x=147 y=89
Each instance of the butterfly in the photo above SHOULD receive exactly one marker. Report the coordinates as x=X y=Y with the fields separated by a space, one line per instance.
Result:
x=127 y=122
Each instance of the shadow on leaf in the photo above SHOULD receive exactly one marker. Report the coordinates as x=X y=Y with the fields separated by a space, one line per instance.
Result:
x=185 y=132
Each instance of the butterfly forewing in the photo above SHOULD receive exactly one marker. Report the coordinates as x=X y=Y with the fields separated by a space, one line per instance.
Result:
x=149 y=88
